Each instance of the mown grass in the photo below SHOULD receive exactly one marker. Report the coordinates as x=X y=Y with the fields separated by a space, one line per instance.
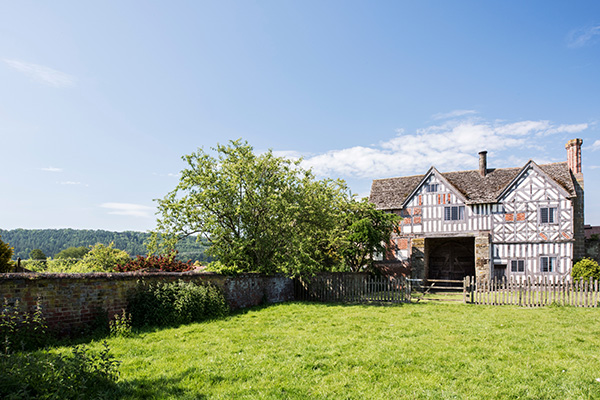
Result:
x=422 y=351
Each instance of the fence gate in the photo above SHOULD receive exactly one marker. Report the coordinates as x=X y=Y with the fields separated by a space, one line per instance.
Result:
x=353 y=288
x=437 y=290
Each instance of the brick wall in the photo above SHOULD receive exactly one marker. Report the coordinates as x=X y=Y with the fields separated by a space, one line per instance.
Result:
x=74 y=301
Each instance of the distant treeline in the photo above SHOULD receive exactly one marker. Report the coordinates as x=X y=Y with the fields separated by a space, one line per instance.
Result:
x=52 y=241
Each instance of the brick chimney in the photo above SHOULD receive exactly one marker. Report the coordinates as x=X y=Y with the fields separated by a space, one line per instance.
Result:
x=573 y=147
x=483 y=163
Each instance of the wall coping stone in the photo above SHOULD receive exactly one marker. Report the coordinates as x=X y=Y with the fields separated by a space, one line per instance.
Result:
x=120 y=275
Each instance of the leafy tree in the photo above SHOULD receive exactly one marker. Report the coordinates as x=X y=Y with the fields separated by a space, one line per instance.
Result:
x=37 y=254
x=102 y=258
x=365 y=232
x=586 y=268
x=72 y=252
x=259 y=213
x=6 y=253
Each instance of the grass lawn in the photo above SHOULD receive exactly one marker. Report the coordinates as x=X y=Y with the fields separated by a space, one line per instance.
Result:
x=423 y=351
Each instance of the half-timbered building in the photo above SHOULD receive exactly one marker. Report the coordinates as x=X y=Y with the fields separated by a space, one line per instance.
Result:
x=504 y=222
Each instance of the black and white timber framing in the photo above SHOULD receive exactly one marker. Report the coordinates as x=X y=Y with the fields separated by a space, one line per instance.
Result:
x=504 y=222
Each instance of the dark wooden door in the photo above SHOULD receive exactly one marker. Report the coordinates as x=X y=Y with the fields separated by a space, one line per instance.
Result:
x=452 y=260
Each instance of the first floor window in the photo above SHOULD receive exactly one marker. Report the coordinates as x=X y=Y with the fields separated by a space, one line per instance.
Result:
x=432 y=187
x=548 y=215
x=548 y=264
x=454 y=213
x=517 y=266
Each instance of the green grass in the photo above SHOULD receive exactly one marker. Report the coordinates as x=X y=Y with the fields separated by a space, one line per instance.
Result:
x=422 y=351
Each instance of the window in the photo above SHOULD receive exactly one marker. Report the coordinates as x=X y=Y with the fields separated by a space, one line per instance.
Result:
x=431 y=187
x=454 y=213
x=548 y=215
x=517 y=266
x=547 y=264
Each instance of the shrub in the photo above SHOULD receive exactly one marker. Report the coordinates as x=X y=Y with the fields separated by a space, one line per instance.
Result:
x=6 y=253
x=79 y=375
x=165 y=262
x=22 y=330
x=103 y=258
x=120 y=325
x=586 y=268
x=161 y=304
x=220 y=268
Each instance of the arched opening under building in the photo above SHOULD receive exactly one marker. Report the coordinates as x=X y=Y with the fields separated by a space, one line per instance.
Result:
x=450 y=258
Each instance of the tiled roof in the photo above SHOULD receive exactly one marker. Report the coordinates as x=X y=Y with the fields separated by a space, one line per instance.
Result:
x=390 y=193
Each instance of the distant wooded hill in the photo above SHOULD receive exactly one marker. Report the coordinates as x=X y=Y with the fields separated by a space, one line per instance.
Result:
x=52 y=241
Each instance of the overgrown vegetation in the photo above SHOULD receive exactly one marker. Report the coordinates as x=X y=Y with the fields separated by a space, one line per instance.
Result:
x=22 y=330
x=164 y=304
x=30 y=374
x=262 y=213
x=164 y=262
x=121 y=325
x=6 y=253
x=80 y=374
x=586 y=268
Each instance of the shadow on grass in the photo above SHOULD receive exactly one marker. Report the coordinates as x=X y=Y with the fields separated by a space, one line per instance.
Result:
x=156 y=388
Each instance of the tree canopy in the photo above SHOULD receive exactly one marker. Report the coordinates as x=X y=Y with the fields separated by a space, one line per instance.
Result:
x=259 y=213
x=262 y=213
x=37 y=254
x=6 y=253
x=365 y=232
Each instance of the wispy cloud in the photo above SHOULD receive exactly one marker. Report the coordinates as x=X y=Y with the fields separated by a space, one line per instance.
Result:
x=595 y=146
x=453 y=114
x=584 y=36
x=51 y=169
x=170 y=174
x=129 y=209
x=449 y=146
x=42 y=74
x=71 y=183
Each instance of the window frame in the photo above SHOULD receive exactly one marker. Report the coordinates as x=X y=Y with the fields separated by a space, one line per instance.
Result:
x=551 y=265
x=432 y=187
x=460 y=213
x=551 y=216
x=517 y=261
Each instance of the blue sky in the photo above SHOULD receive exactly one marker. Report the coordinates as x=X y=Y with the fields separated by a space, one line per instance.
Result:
x=100 y=100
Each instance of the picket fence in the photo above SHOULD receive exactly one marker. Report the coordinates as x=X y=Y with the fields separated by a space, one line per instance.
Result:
x=532 y=292
x=352 y=288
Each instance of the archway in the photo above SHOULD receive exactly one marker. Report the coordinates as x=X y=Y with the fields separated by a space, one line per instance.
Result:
x=451 y=258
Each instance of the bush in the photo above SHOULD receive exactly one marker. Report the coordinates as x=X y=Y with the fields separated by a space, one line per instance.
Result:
x=22 y=330
x=162 y=304
x=103 y=258
x=120 y=325
x=6 y=253
x=166 y=263
x=586 y=268
x=80 y=375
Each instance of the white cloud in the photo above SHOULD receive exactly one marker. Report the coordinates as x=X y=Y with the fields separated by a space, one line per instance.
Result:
x=581 y=37
x=129 y=209
x=452 y=145
x=595 y=146
x=42 y=74
x=453 y=114
x=290 y=154
x=69 y=183
x=51 y=169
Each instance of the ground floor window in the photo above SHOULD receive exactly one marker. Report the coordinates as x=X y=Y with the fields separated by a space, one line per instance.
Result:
x=517 y=266
x=547 y=264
